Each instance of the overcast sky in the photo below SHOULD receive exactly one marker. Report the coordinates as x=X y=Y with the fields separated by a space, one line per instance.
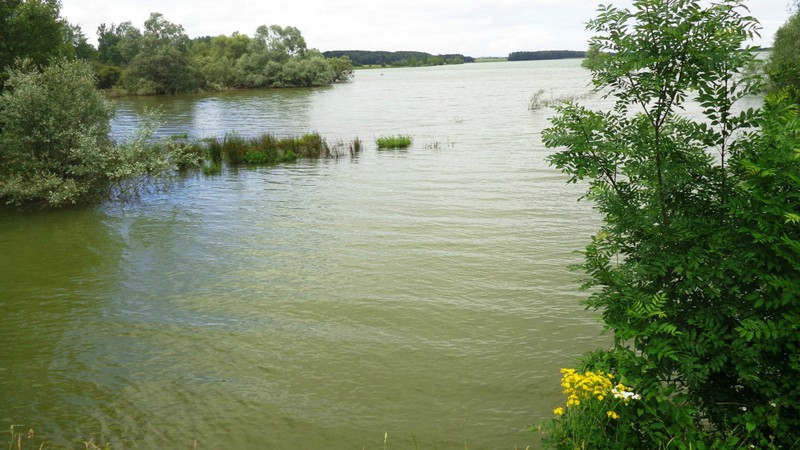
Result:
x=470 y=27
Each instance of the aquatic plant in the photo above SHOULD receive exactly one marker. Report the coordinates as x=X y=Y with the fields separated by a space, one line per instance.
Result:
x=355 y=147
x=212 y=169
x=267 y=149
x=390 y=142
x=539 y=100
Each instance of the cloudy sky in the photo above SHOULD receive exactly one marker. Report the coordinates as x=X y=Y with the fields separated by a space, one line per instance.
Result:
x=470 y=27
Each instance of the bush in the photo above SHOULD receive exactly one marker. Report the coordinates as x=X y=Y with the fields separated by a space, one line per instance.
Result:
x=54 y=135
x=696 y=269
x=54 y=128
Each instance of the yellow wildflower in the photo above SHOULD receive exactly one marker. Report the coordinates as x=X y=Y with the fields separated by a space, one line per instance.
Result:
x=612 y=415
x=559 y=411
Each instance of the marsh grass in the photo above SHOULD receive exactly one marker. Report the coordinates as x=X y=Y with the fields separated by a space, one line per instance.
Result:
x=392 y=142
x=267 y=149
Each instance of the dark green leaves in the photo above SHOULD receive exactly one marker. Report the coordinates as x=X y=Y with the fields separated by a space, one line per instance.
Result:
x=697 y=267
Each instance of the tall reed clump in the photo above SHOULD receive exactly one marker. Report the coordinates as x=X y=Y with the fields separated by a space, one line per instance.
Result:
x=355 y=147
x=392 y=142
x=267 y=149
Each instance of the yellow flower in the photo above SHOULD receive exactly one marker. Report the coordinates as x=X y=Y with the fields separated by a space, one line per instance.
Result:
x=559 y=411
x=612 y=415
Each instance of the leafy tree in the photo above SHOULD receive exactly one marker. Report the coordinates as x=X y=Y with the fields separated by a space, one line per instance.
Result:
x=81 y=46
x=697 y=267
x=342 y=69
x=118 y=44
x=593 y=57
x=31 y=29
x=163 y=64
x=312 y=71
x=783 y=67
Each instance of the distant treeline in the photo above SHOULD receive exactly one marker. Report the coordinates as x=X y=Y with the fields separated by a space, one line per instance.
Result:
x=397 y=59
x=546 y=54
x=162 y=58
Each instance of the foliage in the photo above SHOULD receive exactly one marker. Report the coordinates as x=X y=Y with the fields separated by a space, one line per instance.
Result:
x=599 y=414
x=342 y=69
x=162 y=66
x=54 y=141
x=54 y=136
x=783 y=66
x=117 y=45
x=32 y=29
x=545 y=55
x=164 y=60
x=593 y=58
x=390 y=142
x=697 y=268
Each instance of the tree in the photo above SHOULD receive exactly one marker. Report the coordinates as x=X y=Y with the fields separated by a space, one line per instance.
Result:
x=699 y=287
x=783 y=66
x=118 y=44
x=31 y=29
x=163 y=65
x=342 y=69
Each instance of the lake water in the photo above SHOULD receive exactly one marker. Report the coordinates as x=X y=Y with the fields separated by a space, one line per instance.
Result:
x=420 y=296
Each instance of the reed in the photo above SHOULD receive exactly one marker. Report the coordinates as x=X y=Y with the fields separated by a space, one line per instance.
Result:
x=392 y=142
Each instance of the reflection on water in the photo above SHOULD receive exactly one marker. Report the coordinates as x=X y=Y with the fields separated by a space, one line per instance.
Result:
x=423 y=294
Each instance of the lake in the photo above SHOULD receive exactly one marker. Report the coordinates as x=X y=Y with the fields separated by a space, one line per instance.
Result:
x=399 y=299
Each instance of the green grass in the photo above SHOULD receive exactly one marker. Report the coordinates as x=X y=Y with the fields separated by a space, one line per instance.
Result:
x=390 y=142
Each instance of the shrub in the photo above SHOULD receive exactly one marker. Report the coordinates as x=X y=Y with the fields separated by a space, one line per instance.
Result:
x=54 y=129
x=696 y=269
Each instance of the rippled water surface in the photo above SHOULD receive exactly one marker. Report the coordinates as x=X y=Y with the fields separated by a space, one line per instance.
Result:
x=322 y=304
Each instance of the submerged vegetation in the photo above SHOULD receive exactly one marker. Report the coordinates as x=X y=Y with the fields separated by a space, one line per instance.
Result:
x=393 y=142
x=539 y=100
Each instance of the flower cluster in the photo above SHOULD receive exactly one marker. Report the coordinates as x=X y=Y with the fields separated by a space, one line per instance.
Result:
x=624 y=393
x=591 y=386
x=579 y=387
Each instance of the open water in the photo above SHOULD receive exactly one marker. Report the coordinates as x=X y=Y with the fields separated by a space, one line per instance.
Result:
x=400 y=299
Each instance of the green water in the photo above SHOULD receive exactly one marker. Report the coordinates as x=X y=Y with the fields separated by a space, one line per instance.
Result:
x=420 y=293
